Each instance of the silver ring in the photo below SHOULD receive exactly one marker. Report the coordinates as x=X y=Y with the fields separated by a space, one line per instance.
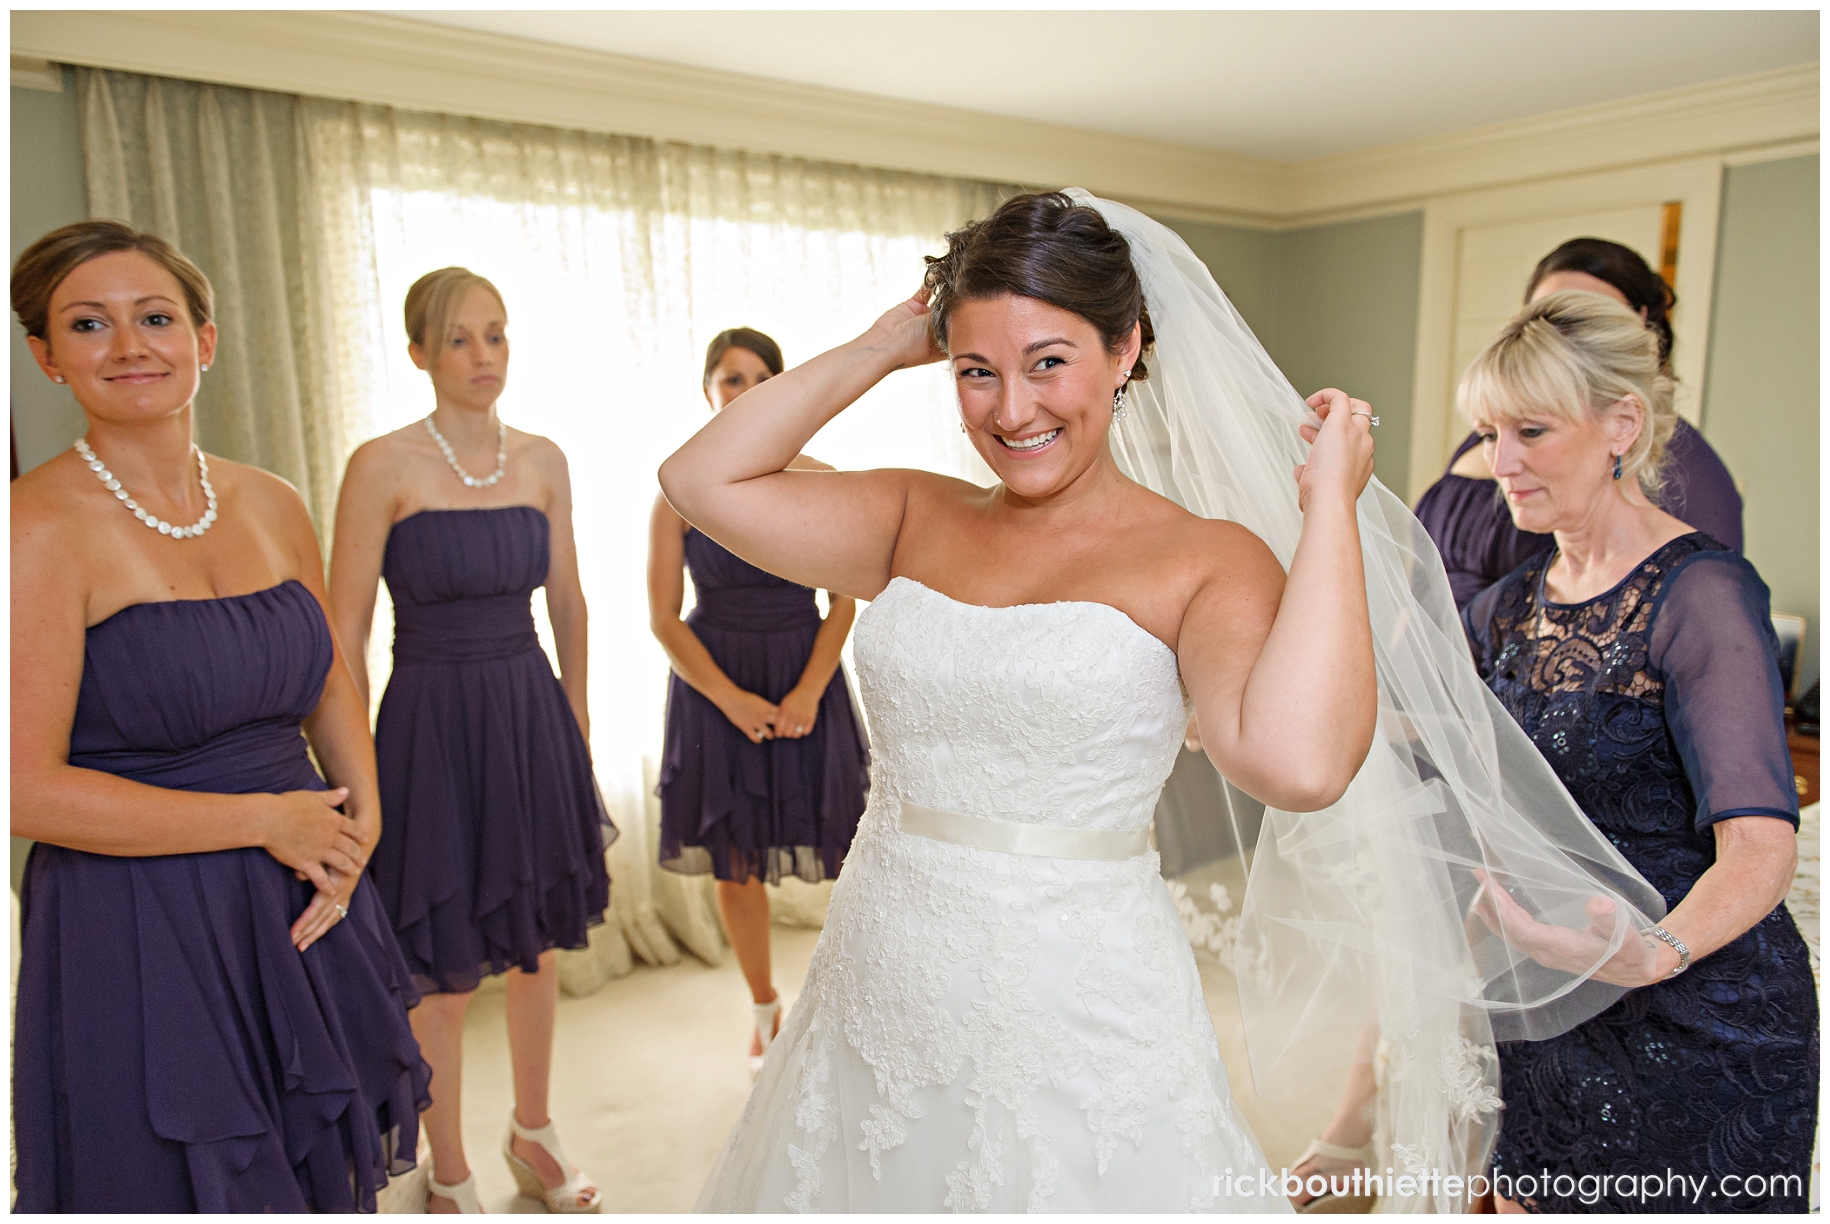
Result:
x=1369 y=416
x=341 y=912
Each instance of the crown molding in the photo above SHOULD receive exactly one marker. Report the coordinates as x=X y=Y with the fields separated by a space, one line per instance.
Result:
x=29 y=73
x=392 y=61
x=1768 y=108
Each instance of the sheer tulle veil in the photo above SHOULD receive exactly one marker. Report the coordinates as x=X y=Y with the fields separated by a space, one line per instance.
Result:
x=1359 y=915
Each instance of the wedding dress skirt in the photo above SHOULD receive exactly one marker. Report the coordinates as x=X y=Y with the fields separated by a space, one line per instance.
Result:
x=1001 y=1029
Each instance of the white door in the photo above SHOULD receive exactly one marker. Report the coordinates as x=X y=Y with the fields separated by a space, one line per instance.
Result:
x=1495 y=261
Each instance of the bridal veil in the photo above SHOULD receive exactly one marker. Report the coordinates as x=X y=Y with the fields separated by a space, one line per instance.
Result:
x=1360 y=914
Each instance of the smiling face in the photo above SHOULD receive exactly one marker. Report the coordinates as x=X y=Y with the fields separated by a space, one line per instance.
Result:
x=1555 y=471
x=737 y=371
x=472 y=368
x=120 y=334
x=1035 y=389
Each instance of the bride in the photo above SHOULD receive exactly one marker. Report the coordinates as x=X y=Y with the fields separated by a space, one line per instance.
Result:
x=1003 y=1012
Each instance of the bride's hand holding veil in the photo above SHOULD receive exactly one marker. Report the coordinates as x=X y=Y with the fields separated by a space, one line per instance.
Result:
x=1340 y=456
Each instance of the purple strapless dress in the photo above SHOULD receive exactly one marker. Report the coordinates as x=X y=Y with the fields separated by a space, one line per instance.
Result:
x=492 y=832
x=739 y=809
x=173 y=1052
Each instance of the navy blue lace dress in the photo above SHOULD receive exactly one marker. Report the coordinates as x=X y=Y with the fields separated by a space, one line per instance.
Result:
x=1660 y=707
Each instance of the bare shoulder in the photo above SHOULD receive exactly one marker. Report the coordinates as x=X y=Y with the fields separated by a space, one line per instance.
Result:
x=271 y=498
x=379 y=454
x=41 y=507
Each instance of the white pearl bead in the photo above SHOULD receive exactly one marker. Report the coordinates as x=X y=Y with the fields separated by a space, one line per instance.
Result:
x=140 y=514
x=152 y=520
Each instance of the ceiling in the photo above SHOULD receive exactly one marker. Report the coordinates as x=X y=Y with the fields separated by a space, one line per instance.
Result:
x=1287 y=86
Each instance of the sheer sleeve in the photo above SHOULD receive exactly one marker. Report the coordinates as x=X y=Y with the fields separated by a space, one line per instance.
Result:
x=1712 y=640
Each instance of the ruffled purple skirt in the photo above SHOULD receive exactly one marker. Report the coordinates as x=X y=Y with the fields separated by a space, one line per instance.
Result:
x=743 y=810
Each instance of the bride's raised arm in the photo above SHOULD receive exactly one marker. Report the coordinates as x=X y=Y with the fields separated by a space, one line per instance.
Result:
x=834 y=530
x=1281 y=668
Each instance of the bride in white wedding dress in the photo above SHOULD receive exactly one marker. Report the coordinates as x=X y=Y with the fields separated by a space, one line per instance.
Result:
x=1003 y=1012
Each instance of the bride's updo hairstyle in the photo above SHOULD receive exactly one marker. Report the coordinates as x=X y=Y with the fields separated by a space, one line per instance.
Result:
x=1574 y=353
x=1043 y=246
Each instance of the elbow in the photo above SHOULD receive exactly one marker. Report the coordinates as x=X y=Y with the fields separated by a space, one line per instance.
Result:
x=675 y=485
x=1312 y=793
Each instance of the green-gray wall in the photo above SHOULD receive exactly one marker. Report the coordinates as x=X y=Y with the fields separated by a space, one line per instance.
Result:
x=48 y=191
x=1334 y=305
x=1760 y=397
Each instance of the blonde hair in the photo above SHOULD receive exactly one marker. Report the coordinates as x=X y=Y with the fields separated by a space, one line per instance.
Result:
x=1573 y=353
x=434 y=298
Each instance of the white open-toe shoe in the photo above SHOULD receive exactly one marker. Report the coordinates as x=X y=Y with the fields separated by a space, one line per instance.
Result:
x=567 y=1198
x=464 y=1194
x=765 y=1030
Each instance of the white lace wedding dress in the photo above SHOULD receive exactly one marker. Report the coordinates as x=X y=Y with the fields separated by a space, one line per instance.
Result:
x=989 y=1030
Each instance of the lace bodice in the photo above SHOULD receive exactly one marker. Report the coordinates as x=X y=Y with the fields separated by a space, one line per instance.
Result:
x=984 y=1030
x=1069 y=714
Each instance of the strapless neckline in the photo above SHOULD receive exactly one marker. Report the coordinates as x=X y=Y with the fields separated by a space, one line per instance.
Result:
x=1120 y=613
x=211 y=599
x=466 y=510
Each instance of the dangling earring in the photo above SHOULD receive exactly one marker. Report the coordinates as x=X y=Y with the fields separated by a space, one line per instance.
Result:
x=1121 y=407
x=962 y=427
x=1616 y=467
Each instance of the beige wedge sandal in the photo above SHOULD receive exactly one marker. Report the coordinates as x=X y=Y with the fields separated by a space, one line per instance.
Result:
x=563 y=1199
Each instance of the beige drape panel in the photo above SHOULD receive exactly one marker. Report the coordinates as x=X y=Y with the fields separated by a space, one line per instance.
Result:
x=619 y=258
x=222 y=173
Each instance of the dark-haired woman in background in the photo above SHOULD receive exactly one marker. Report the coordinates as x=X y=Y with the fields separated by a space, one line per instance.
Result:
x=765 y=763
x=1464 y=512
x=493 y=852
x=212 y=1011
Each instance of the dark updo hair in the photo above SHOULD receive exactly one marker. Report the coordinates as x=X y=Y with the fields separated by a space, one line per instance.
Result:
x=747 y=338
x=44 y=265
x=1621 y=267
x=1044 y=246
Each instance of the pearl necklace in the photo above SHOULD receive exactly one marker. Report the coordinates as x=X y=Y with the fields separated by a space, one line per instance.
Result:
x=475 y=482
x=140 y=512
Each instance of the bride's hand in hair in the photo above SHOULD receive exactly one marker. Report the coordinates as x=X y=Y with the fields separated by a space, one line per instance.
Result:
x=1339 y=433
x=1572 y=950
x=905 y=333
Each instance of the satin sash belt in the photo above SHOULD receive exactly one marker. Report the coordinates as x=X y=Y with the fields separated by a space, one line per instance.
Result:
x=1049 y=841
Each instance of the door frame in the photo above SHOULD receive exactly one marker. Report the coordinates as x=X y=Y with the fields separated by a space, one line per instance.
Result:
x=1697 y=182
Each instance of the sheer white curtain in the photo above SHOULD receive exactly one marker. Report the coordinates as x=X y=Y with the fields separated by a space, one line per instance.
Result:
x=619 y=258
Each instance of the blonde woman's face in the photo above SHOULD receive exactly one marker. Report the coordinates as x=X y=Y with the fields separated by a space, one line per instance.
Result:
x=120 y=334
x=737 y=371
x=472 y=369
x=1554 y=472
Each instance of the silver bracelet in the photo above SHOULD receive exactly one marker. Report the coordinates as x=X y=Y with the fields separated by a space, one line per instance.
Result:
x=1659 y=932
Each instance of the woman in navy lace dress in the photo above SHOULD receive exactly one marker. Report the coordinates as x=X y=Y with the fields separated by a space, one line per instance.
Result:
x=1639 y=657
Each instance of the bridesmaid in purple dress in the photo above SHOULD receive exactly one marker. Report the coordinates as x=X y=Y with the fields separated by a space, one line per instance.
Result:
x=765 y=763
x=1464 y=513
x=212 y=1011
x=492 y=855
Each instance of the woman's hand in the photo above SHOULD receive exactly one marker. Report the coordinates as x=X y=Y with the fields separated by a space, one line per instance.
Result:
x=328 y=907
x=1340 y=447
x=794 y=717
x=1634 y=963
x=751 y=715
x=306 y=832
x=905 y=334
